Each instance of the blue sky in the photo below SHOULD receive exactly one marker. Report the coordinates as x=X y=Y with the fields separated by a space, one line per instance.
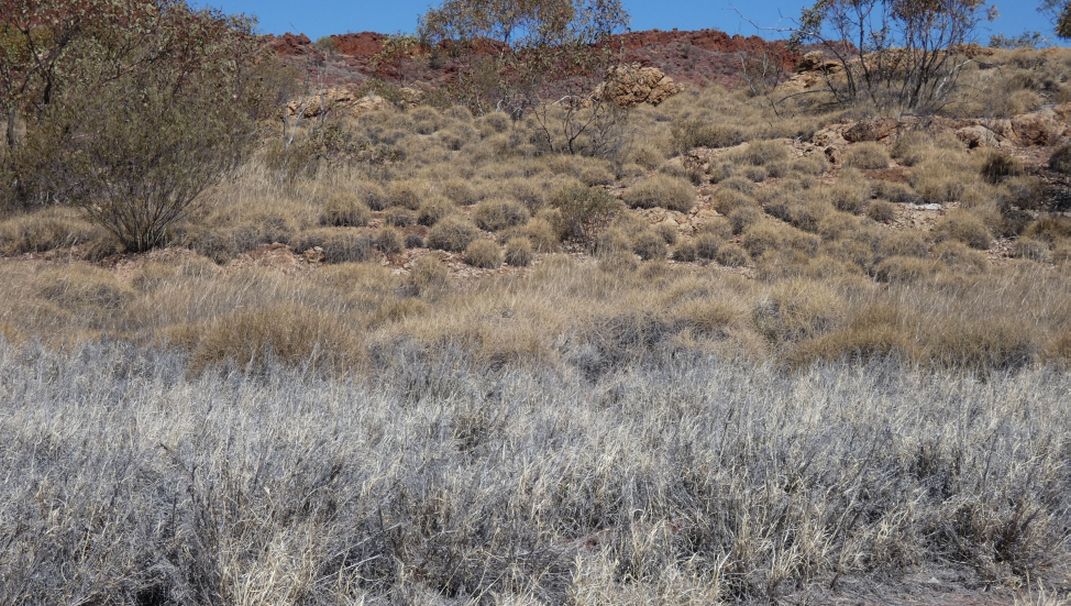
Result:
x=321 y=17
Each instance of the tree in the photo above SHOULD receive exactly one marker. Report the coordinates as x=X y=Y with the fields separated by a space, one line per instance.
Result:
x=894 y=53
x=1060 y=10
x=132 y=107
x=553 y=54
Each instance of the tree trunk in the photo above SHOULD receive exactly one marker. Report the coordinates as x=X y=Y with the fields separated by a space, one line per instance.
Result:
x=12 y=131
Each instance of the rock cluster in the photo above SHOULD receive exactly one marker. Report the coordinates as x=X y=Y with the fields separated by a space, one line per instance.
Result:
x=631 y=85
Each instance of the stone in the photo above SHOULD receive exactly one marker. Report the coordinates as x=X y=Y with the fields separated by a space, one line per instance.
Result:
x=631 y=85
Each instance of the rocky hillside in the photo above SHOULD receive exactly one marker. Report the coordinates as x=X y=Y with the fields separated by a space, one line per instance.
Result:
x=695 y=57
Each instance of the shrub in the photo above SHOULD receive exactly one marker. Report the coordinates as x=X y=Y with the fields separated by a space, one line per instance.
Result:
x=854 y=346
x=965 y=227
x=796 y=310
x=1001 y=344
x=584 y=212
x=904 y=243
x=998 y=166
x=1060 y=161
x=814 y=165
x=761 y=153
x=707 y=245
x=850 y=194
x=428 y=276
x=83 y=288
x=344 y=209
x=649 y=245
x=414 y=241
x=960 y=256
x=1050 y=229
x=388 y=241
x=901 y=193
x=867 y=156
x=44 y=231
x=484 y=254
x=372 y=194
x=499 y=214
x=661 y=191
x=756 y=174
x=434 y=210
x=400 y=217
x=542 y=234
x=452 y=234
x=707 y=317
x=668 y=232
x=404 y=194
x=519 y=252
x=346 y=247
x=690 y=134
x=743 y=218
x=686 y=251
x=906 y=269
x=1035 y=250
x=732 y=255
x=460 y=192
x=881 y=211
x=291 y=333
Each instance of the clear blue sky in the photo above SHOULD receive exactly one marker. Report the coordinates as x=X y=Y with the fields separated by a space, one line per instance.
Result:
x=321 y=17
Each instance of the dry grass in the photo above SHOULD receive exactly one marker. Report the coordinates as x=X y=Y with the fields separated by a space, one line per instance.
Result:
x=867 y=156
x=391 y=426
x=661 y=191
x=484 y=254
x=452 y=234
x=436 y=484
x=519 y=252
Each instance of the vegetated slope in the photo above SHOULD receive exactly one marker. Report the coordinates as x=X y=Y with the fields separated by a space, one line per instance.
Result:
x=684 y=482
x=696 y=57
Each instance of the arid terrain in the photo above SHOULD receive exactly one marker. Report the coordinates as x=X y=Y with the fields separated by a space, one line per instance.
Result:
x=734 y=341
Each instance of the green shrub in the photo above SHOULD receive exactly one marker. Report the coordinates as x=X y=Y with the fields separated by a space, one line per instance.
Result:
x=661 y=191
x=584 y=212
x=452 y=234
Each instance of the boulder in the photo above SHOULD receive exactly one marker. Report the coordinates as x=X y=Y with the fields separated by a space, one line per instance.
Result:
x=870 y=130
x=978 y=136
x=816 y=61
x=632 y=85
x=334 y=100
